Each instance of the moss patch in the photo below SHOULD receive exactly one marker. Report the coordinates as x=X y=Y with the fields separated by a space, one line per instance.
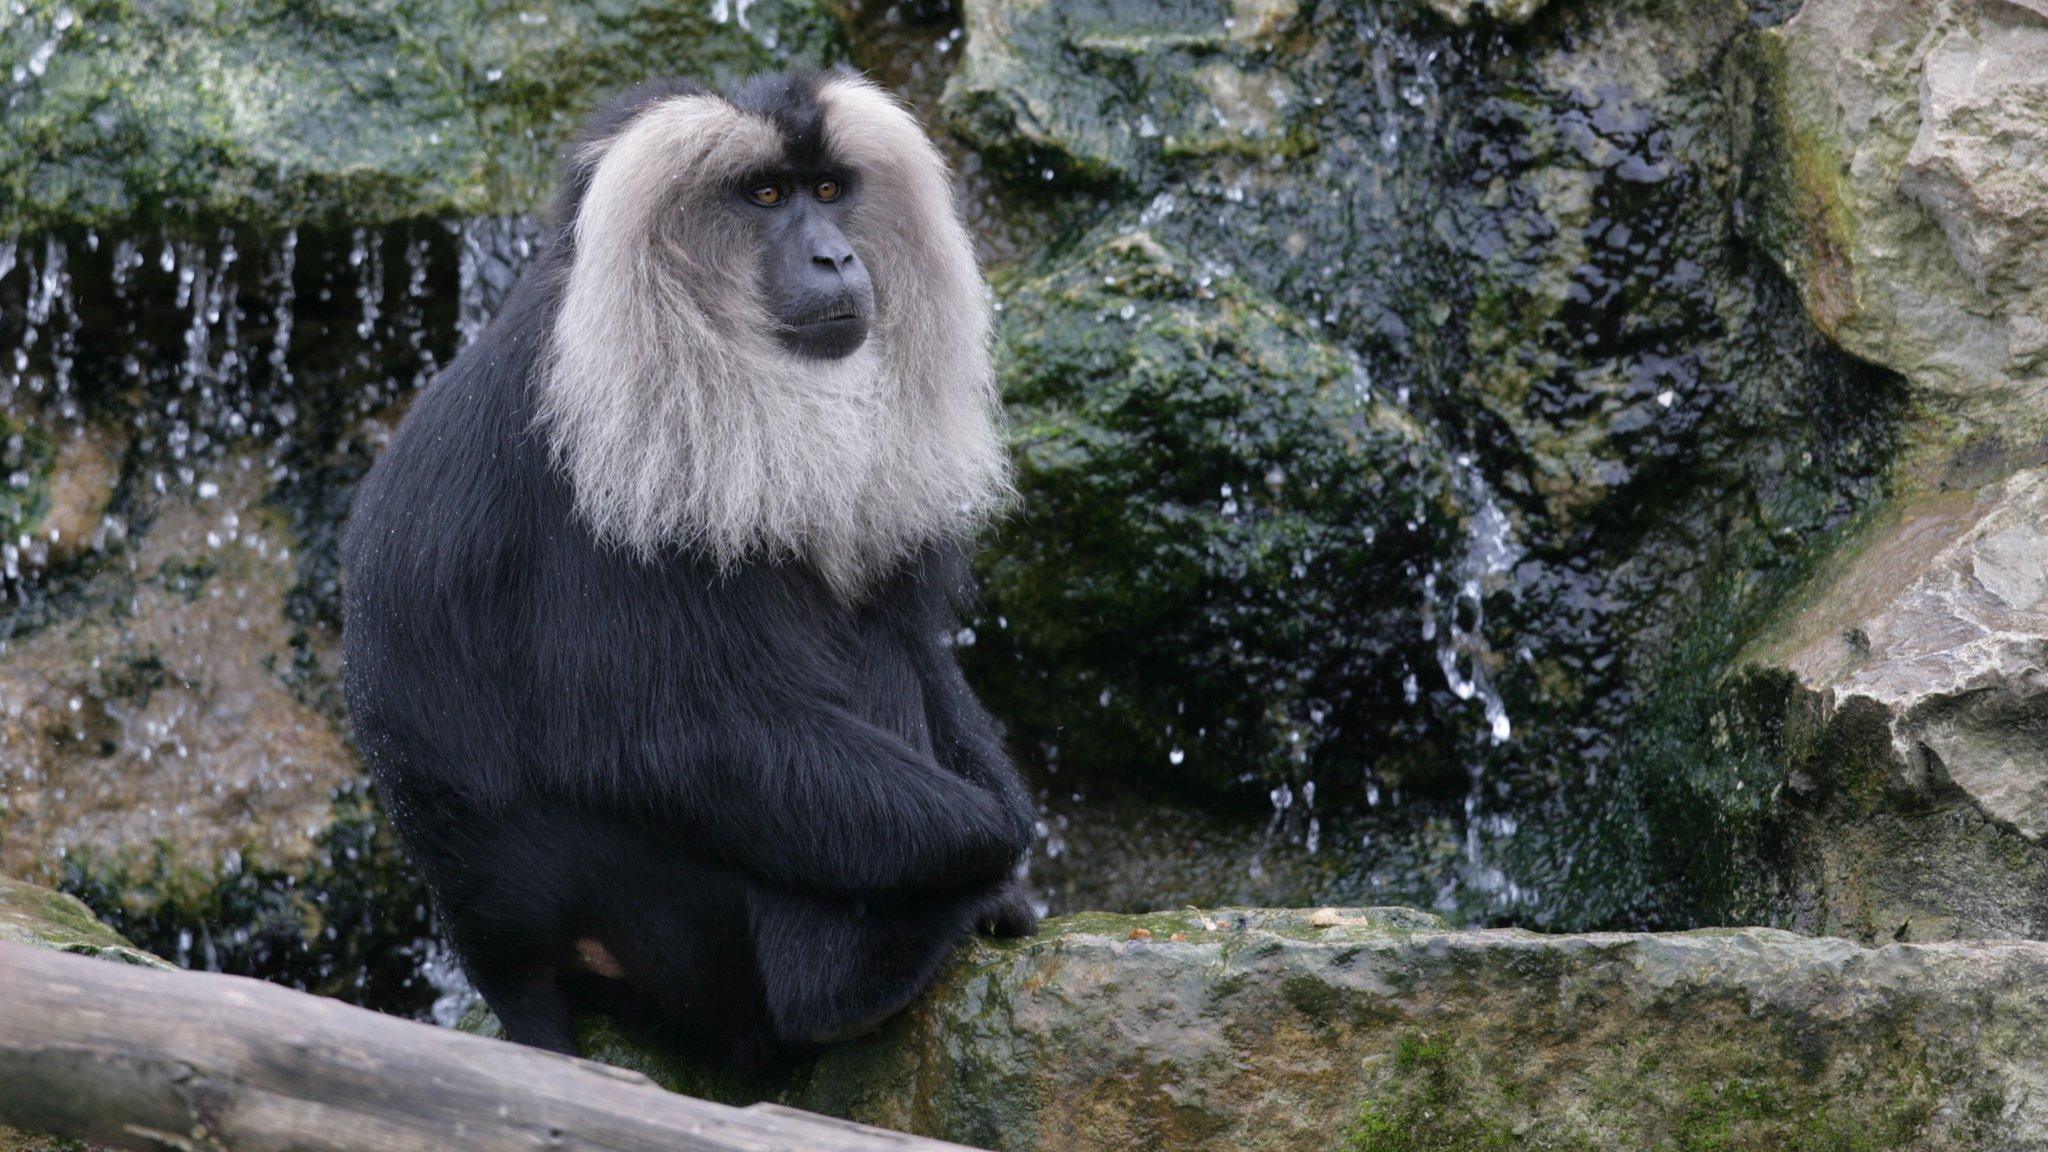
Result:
x=1429 y=1111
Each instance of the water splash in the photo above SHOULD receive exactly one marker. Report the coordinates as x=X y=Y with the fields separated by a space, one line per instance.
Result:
x=194 y=353
x=1456 y=625
x=454 y=995
x=51 y=314
x=411 y=318
x=284 y=296
x=367 y=258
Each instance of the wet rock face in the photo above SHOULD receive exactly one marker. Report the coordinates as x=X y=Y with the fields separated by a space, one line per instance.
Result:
x=1208 y=478
x=1371 y=1030
x=1526 y=240
x=170 y=721
x=1903 y=148
x=1395 y=404
x=171 y=739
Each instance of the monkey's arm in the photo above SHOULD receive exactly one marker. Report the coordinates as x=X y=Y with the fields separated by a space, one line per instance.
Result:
x=720 y=709
x=965 y=738
x=822 y=801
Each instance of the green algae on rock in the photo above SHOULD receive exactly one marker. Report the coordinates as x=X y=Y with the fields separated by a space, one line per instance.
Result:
x=1048 y=89
x=1375 y=1030
x=34 y=915
x=259 y=113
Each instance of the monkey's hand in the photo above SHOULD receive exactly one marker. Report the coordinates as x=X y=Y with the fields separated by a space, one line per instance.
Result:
x=1010 y=915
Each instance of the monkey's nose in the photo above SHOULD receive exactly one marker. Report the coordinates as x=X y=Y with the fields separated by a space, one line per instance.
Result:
x=837 y=257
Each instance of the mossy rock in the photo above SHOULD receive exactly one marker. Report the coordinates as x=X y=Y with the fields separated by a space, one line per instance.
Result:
x=1218 y=549
x=126 y=115
x=30 y=914
x=1379 y=1030
x=1099 y=91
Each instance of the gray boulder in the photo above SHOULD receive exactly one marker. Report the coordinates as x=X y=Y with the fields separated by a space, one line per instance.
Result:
x=1894 y=724
x=1909 y=164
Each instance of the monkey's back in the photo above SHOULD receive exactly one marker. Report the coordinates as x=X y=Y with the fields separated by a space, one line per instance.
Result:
x=438 y=532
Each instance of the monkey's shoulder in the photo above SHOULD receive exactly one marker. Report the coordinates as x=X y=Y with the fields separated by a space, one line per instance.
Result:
x=459 y=482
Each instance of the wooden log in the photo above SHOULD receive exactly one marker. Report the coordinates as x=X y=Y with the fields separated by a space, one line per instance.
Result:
x=140 y=1058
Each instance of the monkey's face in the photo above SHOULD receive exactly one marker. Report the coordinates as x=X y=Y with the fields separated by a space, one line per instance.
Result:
x=773 y=339
x=815 y=286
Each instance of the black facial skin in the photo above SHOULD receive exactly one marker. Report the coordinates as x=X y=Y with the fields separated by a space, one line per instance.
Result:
x=818 y=289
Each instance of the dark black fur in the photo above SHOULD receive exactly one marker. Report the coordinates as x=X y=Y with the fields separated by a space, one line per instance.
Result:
x=778 y=813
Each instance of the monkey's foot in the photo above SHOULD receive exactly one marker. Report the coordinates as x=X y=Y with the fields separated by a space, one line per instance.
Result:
x=1011 y=916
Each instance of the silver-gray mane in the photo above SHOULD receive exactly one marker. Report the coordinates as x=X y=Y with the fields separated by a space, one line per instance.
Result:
x=677 y=417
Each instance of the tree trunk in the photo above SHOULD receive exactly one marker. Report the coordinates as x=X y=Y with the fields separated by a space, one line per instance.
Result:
x=140 y=1058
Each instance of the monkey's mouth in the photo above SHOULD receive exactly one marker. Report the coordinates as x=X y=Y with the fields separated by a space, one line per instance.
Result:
x=847 y=317
x=836 y=315
x=827 y=336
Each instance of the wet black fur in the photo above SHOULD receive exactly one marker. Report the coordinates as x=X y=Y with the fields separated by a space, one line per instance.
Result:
x=777 y=812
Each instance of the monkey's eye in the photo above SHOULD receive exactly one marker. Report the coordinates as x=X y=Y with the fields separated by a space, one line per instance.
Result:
x=827 y=190
x=766 y=195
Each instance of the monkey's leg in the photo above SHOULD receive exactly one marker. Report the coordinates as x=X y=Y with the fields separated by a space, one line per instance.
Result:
x=514 y=955
x=676 y=932
x=507 y=887
x=835 y=969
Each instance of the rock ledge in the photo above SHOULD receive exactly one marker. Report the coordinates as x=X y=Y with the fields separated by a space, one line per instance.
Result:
x=1370 y=1030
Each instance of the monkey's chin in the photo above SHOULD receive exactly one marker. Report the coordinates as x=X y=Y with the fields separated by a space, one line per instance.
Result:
x=826 y=339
